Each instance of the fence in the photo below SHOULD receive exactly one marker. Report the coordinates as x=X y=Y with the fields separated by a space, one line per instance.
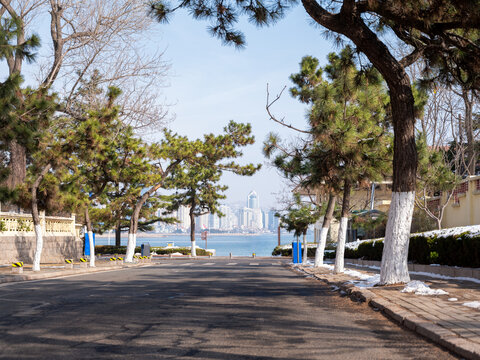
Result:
x=13 y=223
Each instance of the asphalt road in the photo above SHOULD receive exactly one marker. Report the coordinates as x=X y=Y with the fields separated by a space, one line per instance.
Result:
x=202 y=309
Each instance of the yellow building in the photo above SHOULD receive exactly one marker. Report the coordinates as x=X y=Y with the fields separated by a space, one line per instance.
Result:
x=464 y=206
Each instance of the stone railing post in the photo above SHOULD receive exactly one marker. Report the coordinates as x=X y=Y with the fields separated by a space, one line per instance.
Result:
x=72 y=225
x=43 y=222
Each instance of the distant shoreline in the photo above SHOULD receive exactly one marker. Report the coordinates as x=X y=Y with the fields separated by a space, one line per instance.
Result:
x=162 y=235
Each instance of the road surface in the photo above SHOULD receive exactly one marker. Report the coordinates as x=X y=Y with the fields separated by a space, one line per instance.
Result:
x=197 y=309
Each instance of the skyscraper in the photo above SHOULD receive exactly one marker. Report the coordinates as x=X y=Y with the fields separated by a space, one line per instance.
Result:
x=253 y=201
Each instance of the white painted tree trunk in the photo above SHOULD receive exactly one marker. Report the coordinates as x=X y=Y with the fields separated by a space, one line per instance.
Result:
x=342 y=235
x=319 y=254
x=305 y=250
x=397 y=237
x=131 y=244
x=193 y=249
x=92 y=249
x=38 y=248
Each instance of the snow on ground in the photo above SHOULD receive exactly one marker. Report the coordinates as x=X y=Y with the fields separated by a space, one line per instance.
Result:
x=473 y=304
x=367 y=281
x=420 y=288
x=453 y=299
x=176 y=254
x=365 y=266
x=473 y=230
x=357 y=274
x=445 y=277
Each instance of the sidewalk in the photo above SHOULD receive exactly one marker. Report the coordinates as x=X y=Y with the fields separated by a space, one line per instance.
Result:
x=49 y=271
x=444 y=319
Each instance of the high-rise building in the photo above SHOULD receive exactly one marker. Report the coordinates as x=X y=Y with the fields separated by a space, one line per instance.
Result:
x=273 y=221
x=214 y=221
x=201 y=222
x=253 y=201
x=183 y=217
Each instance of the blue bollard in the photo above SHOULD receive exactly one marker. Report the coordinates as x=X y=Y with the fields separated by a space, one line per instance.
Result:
x=87 y=244
x=297 y=252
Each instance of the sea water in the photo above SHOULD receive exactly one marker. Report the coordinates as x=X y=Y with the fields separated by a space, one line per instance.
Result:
x=238 y=245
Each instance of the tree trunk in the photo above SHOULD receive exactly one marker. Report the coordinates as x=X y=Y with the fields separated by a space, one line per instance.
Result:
x=118 y=235
x=342 y=232
x=36 y=219
x=322 y=240
x=132 y=231
x=395 y=251
x=88 y=224
x=193 y=248
x=471 y=153
x=17 y=165
x=305 y=249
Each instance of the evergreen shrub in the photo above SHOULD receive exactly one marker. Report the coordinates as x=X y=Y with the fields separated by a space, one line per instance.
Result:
x=111 y=249
x=288 y=252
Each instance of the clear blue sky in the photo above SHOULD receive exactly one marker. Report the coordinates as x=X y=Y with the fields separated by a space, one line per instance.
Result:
x=210 y=84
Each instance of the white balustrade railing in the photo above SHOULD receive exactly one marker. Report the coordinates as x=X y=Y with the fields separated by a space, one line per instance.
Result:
x=12 y=223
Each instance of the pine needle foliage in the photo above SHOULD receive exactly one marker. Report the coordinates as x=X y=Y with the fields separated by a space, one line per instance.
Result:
x=197 y=180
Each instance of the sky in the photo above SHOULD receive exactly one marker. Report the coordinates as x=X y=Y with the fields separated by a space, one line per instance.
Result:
x=210 y=84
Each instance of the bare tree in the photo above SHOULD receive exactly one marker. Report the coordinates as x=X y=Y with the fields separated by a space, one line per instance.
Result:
x=106 y=37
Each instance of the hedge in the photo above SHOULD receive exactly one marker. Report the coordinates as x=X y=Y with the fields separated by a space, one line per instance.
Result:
x=310 y=252
x=111 y=249
x=453 y=250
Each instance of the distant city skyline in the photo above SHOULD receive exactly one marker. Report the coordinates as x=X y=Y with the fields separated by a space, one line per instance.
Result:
x=250 y=218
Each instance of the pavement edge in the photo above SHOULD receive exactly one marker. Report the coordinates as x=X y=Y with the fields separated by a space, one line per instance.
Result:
x=405 y=318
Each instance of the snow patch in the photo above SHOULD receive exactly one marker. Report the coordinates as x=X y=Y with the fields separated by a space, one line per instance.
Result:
x=445 y=277
x=470 y=231
x=453 y=299
x=367 y=281
x=472 y=304
x=420 y=288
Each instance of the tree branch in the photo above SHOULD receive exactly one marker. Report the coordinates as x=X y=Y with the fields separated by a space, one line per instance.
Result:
x=281 y=121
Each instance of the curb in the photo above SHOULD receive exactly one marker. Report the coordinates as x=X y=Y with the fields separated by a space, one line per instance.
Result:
x=51 y=275
x=427 y=329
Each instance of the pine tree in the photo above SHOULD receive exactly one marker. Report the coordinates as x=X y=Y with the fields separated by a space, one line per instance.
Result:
x=350 y=136
x=298 y=218
x=40 y=189
x=196 y=180
x=15 y=48
x=94 y=161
